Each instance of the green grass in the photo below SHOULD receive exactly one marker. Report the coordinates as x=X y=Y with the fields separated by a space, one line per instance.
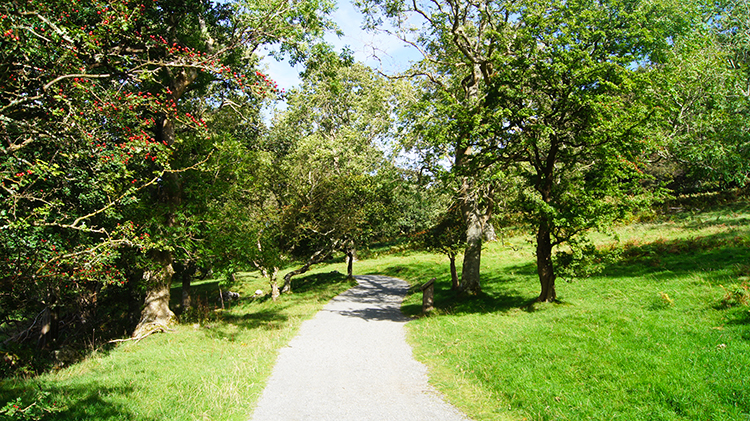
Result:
x=647 y=339
x=661 y=334
x=210 y=371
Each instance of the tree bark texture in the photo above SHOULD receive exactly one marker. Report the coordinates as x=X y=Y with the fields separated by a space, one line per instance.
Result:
x=455 y=285
x=470 y=281
x=156 y=313
x=274 y=284
x=489 y=232
x=185 y=271
x=186 y=299
x=350 y=256
x=49 y=332
x=544 y=265
x=546 y=271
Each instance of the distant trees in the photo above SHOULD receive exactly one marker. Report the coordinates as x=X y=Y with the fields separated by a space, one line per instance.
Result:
x=328 y=167
x=702 y=94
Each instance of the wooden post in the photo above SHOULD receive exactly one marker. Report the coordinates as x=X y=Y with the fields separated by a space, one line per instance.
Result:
x=428 y=293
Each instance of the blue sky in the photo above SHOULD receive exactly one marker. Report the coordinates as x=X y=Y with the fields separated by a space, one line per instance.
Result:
x=377 y=50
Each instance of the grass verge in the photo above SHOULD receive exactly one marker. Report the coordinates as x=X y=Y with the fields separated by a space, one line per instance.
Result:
x=663 y=334
x=214 y=370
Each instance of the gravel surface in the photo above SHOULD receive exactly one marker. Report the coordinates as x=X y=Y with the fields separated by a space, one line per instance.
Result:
x=351 y=362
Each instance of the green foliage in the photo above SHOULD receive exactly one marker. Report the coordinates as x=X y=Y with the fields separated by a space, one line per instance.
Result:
x=325 y=179
x=564 y=112
x=547 y=94
x=736 y=295
x=79 y=148
x=701 y=99
x=200 y=312
x=583 y=259
x=447 y=236
x=40 y=408
x=115 y=145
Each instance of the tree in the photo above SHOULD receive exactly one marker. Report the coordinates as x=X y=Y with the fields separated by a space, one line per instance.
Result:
x=565 y=115
x=78 y=148
x=325 y=183
x=447 y=237
x=455 y=42
x=703 y=96
x=251 y=25
x=547 y=90
x=102 y=129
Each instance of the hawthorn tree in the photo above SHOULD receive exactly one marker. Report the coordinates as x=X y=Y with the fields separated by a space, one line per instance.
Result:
x=101 y=128
x=248 y=25
x=78 y=146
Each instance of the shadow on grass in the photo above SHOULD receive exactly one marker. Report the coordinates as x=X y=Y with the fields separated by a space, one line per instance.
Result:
x=205 y=291
x=450 y=302
x=270 y=319
x=698 y=222
x=309 y=283
x=713 y=257
x=84 y=402
x=253 y=313
x=495 y=297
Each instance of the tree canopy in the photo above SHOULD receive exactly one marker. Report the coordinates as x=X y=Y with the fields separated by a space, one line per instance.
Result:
x=134 y=148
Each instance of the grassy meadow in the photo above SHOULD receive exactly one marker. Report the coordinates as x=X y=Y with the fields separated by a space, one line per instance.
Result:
x=212 y=369
x=661 y=333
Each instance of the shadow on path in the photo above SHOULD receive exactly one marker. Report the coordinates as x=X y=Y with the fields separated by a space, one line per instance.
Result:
x=351 y=362
x=375 y=298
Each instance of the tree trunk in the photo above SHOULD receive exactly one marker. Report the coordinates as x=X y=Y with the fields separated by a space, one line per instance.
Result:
x=474 y=233
x=50 y=324
x=544 y=263
x=186 y=300
x=350 y=256
x=489 y=232
x=317 y=257
x=156 y=313
x=274 y=285
x=186 y=272
x=455 y=285
x=546 y=172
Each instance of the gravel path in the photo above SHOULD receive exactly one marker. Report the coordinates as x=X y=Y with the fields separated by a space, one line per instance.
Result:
x=351 y=362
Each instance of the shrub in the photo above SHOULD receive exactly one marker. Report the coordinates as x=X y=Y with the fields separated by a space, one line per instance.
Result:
x=36 y=410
